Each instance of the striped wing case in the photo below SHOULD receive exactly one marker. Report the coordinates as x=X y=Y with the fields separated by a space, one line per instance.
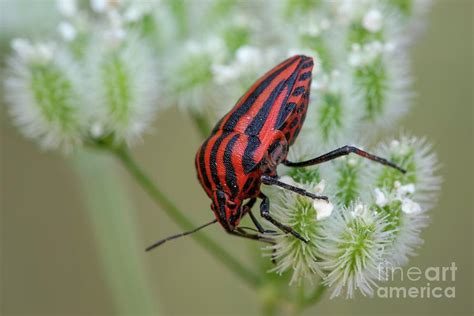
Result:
x=269 y=103
x=276 y=102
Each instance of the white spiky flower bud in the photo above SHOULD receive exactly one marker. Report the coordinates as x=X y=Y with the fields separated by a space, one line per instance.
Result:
x=305 y=217
x=67 y=31
x=42 y=93
x=420 y=181
x=407 y=197
x=192 y=73
x=373 y=21
x=380 y=198
x=351 y=246
x=122 y=87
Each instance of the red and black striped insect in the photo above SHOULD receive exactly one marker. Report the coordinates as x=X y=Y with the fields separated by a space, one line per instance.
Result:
x=247 y=144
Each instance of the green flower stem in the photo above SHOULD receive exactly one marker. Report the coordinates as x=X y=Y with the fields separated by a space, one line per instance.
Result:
x=315 y=297
x=172 y=210
x=113 y=220
x=201 y=123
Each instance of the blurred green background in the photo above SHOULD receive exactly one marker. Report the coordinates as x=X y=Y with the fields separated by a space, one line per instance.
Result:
x=52 y=259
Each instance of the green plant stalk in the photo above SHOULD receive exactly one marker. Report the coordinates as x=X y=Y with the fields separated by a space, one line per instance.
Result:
x=201 y=123
x=112 y=217
x=172 y=210
x=315 y=297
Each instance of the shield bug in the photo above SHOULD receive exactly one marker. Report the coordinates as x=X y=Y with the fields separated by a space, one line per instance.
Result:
x=251 y=140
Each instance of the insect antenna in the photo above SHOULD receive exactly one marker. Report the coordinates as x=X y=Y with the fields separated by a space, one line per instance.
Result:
x=162 y=241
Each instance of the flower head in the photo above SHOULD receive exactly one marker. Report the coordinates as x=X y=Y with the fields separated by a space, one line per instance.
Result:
x=372 y=21
x=352 y=244
x=404 y=217
x=122 y=87
x=305 y=217
x=42 y=94
x=191 y=75
x=99 y=81
x=417 y=157
x=404 y=199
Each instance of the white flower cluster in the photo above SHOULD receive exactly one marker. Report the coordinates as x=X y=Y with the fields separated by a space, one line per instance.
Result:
x=352 y=246
x=361 y=76
x=97 y=80
x=209 y=52
x=44 y=101
x=376 y=216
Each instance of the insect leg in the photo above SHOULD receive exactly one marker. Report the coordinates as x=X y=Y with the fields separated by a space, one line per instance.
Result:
x=242 y=233
x=259 y=226
x=274 y=181
x=248 y=228
x=265 y=212
x=343 y=151
x=247 y=208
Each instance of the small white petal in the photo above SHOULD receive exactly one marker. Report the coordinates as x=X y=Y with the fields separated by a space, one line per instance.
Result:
x=323 y=208
x=99 y=6
x=372 y=21
x=355 y=60
x=22 y=47
x=312 y=29
x=45 y=51
x=356 y=47
x=97 y=130
x=248 y=56
x=394 y=144
x=118 y=34
x=67 y=31
x=319 y=188
x=410 y=207
x=42 y=52
x=380 y=198
x=133 y=14
x=358 y=210
x=404 y=150
x=67 y=7
x=376 y=47
x=352 y=162
x=406 y=189
x=224 y=73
